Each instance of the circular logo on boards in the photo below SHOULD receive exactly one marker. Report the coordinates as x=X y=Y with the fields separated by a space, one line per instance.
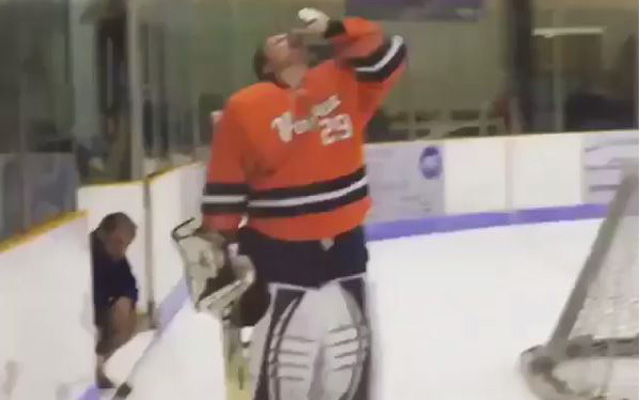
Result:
x=431 y=162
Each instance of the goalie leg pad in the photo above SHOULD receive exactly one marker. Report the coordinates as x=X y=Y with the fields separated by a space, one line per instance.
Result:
x=313 y=344
x=285 y=344
x=347 y=343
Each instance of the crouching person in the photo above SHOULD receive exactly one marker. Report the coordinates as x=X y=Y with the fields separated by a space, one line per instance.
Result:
x=114 y=289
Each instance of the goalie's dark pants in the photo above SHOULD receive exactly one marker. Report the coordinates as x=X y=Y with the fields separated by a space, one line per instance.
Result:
x=306 y=264
x=308 y=289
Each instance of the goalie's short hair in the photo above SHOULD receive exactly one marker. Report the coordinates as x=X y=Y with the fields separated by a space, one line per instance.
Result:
x=260 y=61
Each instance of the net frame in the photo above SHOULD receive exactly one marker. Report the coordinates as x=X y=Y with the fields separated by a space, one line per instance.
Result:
x=539 y=364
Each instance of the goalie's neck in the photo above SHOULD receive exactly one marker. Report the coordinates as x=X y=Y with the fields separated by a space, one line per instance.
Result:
x=293 y=76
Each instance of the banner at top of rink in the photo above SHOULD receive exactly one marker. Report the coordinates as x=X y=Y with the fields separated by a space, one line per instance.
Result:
x=417 y=10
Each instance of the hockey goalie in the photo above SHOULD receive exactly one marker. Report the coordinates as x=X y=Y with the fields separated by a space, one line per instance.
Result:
x=287 y=157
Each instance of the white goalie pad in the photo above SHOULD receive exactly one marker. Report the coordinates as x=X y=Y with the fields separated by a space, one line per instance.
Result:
x=312 y=344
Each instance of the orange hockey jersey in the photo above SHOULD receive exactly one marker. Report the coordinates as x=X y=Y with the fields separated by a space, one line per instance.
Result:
x=293 y=161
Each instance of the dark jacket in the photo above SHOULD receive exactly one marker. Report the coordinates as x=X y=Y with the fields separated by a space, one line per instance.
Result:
x=111 y=279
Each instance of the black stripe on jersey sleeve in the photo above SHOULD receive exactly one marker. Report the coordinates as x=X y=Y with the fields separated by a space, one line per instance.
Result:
x=235 y=189
x=372 y=58
x=311 y=208
x=224 y=198
x=385 y=71
x=309 y=190
x=223 y=208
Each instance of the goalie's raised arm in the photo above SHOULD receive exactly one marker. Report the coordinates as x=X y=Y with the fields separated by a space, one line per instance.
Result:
x=362 y=44
x=359 y=43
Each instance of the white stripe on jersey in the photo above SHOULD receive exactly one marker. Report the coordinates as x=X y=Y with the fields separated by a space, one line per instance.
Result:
x=396 y=44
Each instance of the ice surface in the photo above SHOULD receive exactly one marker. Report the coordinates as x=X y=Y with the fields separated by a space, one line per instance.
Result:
x=455 y=311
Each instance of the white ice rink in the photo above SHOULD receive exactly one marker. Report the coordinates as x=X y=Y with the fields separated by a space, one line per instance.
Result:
x=454 y=312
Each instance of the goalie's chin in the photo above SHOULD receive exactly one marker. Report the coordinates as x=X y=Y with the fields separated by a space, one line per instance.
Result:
x=299 y=56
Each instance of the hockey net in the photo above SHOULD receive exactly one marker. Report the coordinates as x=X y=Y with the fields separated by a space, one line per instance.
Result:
x=593 y=351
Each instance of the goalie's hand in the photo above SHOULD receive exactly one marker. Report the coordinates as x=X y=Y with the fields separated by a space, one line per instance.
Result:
x=316 y=22
x=204 y=254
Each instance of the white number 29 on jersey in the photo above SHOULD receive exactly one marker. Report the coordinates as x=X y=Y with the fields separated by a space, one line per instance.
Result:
x=335 y=129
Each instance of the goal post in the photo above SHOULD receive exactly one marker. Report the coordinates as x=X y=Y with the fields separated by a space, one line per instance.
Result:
x=592 y=353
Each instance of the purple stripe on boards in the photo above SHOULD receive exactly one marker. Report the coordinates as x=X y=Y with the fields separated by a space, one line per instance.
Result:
x=453 y=223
